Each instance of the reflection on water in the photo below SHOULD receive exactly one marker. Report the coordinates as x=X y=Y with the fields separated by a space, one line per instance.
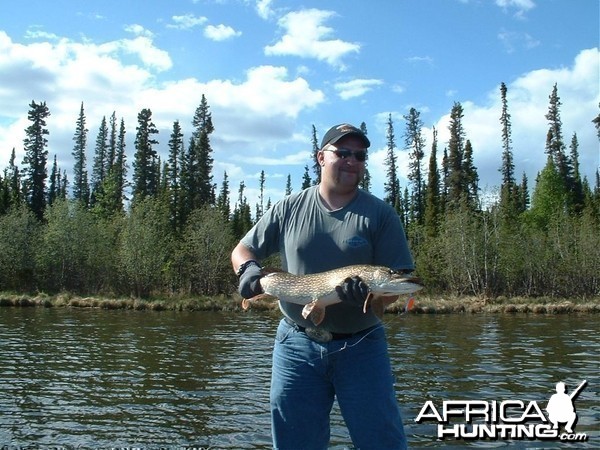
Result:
x=95 y=378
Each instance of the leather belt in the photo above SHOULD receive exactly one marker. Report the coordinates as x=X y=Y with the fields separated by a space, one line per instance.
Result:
x=320 y=335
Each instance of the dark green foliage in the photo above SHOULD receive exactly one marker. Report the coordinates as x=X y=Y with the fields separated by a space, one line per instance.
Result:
x=415 y=144
x=433 y=206
x=81 y=189
x=241 y=221
x=315 y=150
x=205 y=252
x=223 y=199
x=75 y=252
x=19 y=236
x=145 y=163
x=36 y=158
x=306 y=181
x=391 y=187
x=145 y=246
x=176 y=236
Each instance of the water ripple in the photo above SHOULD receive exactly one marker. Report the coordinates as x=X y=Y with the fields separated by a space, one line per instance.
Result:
x=95 y=378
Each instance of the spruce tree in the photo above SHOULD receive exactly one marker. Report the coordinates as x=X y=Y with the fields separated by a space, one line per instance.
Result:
x=508 y=188
x=173 y=175
x=12 y=178
x=120 y=167
x=456 y=188
x=36 y=156
x=288 y=185
x=260 y=207
x=471 y=178
x=242 y=217
x=365 y=183
x=223 y=199
x=100 y=166
x=53 y=191
x=392 y=185
x=81 y=190
x=203 y=128
x=576 y=187
x=415 y=143
x=306 y=181
x=112 y=142
x=145 y=171
x=315 y=151
x=555 y=145
x=432 y=192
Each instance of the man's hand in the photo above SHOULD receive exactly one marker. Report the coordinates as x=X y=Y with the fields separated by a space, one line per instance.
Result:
x=353 y=290
x=250 y=281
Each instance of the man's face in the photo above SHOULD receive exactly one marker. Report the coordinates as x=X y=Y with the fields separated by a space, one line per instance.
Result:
x=339 y=163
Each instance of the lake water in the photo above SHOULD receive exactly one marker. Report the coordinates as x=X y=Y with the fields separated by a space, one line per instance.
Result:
x=92 y=378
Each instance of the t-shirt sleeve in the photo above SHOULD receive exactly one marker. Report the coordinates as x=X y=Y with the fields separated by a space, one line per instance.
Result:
x=264 y=237
x=391 y=247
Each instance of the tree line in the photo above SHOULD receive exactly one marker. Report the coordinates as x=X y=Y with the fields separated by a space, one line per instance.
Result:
x=170 y=229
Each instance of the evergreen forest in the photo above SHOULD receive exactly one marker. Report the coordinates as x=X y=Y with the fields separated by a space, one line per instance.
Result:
x=127 y=224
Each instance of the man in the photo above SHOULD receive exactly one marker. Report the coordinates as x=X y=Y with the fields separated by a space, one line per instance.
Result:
x=331 y=225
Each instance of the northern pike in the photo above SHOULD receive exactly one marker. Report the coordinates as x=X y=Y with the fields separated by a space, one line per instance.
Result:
x=317 y=291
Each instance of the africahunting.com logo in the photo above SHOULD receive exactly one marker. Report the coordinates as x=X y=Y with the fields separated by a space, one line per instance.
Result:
x=508 y=419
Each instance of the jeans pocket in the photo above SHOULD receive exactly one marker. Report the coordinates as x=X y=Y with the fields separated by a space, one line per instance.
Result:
x=283 y=331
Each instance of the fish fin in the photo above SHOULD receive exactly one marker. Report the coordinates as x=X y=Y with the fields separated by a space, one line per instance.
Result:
x=379 y=304
x=314 y=311
x=247 y=302
x=367 y=302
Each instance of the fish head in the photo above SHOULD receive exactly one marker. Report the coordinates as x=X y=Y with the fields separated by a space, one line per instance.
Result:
x=385 y=281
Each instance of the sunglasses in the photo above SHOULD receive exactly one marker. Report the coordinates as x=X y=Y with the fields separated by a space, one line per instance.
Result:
x=343 y=153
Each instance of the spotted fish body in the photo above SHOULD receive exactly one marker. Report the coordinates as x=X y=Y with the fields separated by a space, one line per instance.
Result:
x=317 y=291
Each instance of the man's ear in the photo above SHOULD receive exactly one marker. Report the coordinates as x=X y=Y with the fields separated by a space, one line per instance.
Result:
x=321 y=158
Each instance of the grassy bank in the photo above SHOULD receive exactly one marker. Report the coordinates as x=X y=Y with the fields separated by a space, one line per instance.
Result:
x=423 y=304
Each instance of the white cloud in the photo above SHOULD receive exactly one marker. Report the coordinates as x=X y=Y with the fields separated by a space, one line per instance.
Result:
x=252 y=116
x=264 y=9
x=186 y=22
x=138 y=30
x=356 y=88
x=306 y=36
x=35 y=33
x=528 y=100
x=420 y=59
x=521 y=6
x=513 y=40
x=220 y=32
x=291 y=159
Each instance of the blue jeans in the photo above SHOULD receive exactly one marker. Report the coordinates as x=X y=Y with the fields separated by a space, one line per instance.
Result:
x=307 y=375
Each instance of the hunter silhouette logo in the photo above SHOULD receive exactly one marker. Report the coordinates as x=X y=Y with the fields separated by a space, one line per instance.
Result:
x=560 y=407
x=507 y=419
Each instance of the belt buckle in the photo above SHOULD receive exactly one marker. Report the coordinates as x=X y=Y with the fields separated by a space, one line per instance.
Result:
x=318 y=334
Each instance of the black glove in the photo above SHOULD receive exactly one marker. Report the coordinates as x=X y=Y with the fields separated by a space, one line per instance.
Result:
x=250 y=281
x=353 y=290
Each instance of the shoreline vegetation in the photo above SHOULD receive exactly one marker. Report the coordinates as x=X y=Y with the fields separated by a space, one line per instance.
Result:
x=423 y=304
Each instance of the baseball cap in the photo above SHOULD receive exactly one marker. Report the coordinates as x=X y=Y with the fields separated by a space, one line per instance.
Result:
x=337 y=132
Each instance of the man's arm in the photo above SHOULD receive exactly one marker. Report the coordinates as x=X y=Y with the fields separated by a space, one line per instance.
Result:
x=247 y=269
x=240 y=255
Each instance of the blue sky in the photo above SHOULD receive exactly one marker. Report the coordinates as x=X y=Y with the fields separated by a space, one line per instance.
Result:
x=270 y=69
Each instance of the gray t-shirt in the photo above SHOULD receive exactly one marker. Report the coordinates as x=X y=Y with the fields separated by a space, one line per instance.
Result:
x=311 y=239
